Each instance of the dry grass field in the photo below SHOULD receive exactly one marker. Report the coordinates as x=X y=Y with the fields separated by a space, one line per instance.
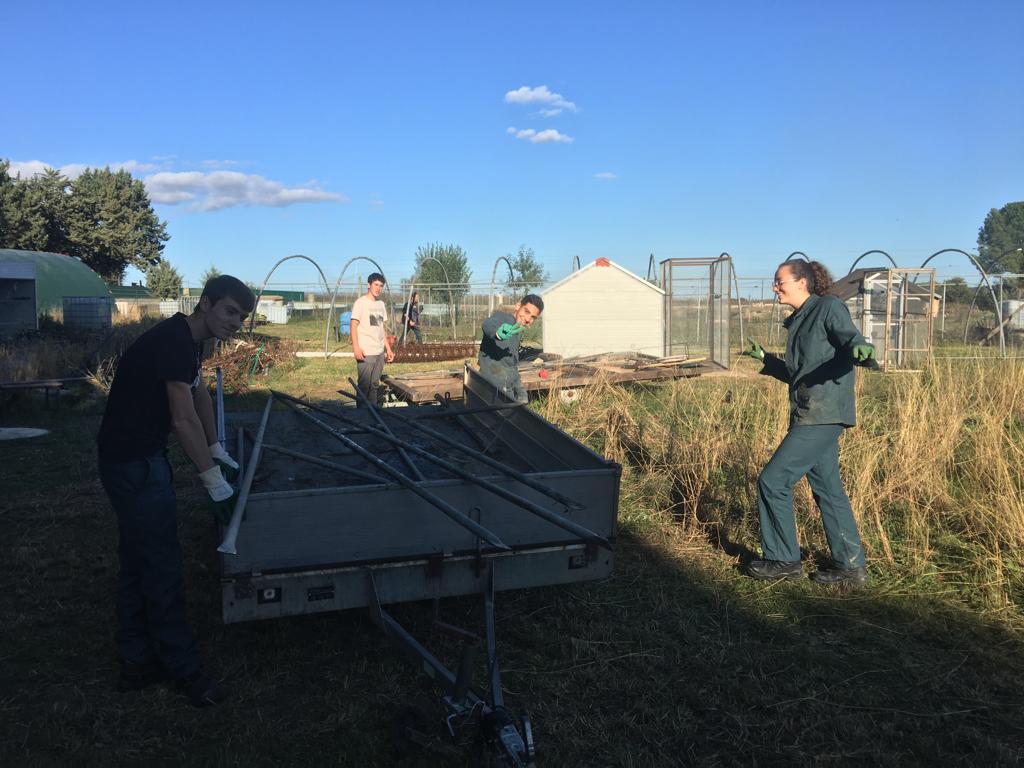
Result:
x=677 y=659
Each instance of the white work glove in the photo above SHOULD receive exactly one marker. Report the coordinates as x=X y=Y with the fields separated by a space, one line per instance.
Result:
x=215 y=484
x=223 y=460
x=218 y=453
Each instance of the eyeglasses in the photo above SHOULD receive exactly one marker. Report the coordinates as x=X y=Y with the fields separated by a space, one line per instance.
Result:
x=778 y=283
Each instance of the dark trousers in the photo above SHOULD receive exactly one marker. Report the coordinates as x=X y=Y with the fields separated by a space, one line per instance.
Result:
x=415 y=331
x=811 y=450
x=150 y=601
x=505 y=378
x=368 y=376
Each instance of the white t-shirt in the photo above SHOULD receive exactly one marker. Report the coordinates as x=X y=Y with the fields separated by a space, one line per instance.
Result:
x=371 y=315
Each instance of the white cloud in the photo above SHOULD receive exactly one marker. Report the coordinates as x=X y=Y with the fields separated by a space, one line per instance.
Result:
x=221 y=163
x=204 y=190
x=547 y=136
x=31 y=168
x=605 y=176
x=217 y=190
x=556 y=103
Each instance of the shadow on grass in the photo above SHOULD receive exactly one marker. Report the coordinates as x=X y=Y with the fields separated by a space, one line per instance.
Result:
x=674 y=660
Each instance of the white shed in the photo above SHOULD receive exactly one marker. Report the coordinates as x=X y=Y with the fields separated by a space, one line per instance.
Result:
x=604 y=308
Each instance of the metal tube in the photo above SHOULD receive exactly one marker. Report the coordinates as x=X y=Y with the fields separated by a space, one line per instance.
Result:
x=545 y=514
x=221 y=433
x=324 y=463
x=497 y=696
x=231 y=535
x=441 y=504
x=240 y=451
x=375 y=412
x=484 y=459
x=439 y=414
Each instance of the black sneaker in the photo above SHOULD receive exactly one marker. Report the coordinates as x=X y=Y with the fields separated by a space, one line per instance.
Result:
x=135 y=677
x=843 y=577
x=201 y=690
x=774 y=570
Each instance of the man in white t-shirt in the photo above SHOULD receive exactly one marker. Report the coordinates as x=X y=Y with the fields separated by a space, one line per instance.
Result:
x=370 y=343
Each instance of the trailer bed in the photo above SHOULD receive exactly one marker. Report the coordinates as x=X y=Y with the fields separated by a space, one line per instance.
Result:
x=320 y=518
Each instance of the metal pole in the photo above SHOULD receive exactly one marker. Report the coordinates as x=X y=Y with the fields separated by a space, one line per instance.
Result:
x=375 y=413
x=456 y=516
x=221 y=434
x=942 y=319
x=231 y=536
x=487 y=460
x=324 y=463
x=545 y=514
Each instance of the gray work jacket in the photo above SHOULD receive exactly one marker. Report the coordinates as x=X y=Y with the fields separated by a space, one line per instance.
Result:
x=819 y=363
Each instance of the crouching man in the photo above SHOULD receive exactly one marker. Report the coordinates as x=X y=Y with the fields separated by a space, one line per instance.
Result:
x=158 y=388
x=499 y=346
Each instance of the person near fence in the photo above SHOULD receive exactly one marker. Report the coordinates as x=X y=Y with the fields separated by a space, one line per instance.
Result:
x=822 y=347
x=158 y=388
x=411 y=318
x=370 y=343
x=499 y=346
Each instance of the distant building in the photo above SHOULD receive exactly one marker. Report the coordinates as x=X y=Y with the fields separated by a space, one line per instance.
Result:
x=893 y=312
x=64 y=287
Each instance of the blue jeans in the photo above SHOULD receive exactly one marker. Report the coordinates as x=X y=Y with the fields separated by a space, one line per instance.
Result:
x=811 y=450
x=150 y=599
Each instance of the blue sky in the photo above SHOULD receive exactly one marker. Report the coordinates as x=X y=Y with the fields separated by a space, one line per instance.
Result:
x=680 y=129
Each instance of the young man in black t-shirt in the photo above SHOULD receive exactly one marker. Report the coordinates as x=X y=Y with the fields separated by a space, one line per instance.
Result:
x=158 y=389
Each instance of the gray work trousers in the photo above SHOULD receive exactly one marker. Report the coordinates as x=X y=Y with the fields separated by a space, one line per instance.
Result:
x=368 y=372
x=811 y=450
x=505 y=378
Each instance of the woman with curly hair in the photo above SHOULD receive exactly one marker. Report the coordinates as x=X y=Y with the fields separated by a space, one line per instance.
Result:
x=821 y=350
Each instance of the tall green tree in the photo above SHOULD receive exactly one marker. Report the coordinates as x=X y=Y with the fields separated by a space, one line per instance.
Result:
x=111 y=223
x=999 y=237
x=163 y=280
x=527 y=270
x=209 y=274
x=957 y=291
x=33 y=212
x=450 y=283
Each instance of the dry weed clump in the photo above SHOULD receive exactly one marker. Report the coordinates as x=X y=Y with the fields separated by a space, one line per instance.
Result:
x=934 y=469
x=240 y=360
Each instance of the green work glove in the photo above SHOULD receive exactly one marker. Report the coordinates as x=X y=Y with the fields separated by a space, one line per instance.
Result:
x=863 y=352
x=508 y=330
x=755 y=350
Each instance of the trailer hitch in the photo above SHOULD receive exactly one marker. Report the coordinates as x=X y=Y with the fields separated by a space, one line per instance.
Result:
x=498 y=736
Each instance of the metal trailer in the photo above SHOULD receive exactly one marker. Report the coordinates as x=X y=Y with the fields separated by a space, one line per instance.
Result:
x=551 y=373
x=344 y=508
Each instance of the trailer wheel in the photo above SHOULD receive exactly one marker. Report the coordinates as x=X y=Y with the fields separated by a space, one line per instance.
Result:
x=569 y=395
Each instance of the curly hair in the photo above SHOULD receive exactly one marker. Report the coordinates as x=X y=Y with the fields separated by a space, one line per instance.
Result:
x=818 y=278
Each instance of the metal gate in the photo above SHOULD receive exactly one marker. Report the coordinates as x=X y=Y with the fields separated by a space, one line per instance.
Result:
x=697 y=304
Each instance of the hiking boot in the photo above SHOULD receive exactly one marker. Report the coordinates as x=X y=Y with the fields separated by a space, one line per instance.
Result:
x=774 y=570
x=201 y=690
x=135 y=676
x=844 y=577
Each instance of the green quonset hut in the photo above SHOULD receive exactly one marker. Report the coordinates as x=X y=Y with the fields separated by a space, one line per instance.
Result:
x=57 y=276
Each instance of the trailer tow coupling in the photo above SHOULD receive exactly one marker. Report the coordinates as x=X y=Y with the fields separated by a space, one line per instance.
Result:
x=498 y=738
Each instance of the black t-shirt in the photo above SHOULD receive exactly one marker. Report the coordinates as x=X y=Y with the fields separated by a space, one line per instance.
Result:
x=138 y=416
